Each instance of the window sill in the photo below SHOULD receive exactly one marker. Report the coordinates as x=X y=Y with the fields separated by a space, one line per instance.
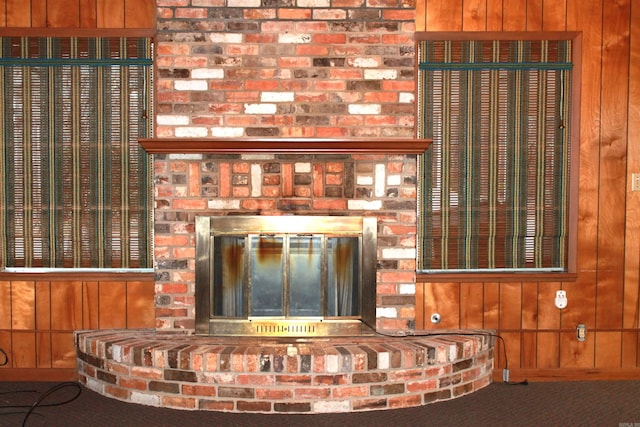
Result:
x=497 y=277
x=77 y=274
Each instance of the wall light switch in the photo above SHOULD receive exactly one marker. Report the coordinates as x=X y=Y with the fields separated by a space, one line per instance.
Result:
x=635 y=182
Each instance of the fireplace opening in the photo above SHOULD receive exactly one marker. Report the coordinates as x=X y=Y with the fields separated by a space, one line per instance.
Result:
x=293 y=276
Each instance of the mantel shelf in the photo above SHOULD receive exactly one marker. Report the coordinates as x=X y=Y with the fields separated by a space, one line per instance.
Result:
x=285 y=146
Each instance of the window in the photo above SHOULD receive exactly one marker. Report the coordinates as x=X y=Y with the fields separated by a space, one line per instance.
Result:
x=76 y=185
x=495 y=183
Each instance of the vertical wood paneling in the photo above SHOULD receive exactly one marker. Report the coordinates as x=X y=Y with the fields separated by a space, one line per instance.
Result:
x=629 y=357
x=63 y=13
x=421 y=308
x=63 y=351
x=548 y=350
x=574 y=353
x=534 y=15
x=140 y=13
x=491 y=310
x=23 y=305
x=495 y=15
x=548 y=314
x=631 y=315
x=528 y=351
x=606 y=294
x=474 y=15
x=529 y=306
x=450 y=10
x=5 y=305
x=43 y=305
x=554 y=15
x=586 y=16
x=66 y=306
x=88 y=14
x=5 y=339
x=110 y=13
x=510 y=305
x=18 y=13
x=613 y=147
x=90 y=304
x=515 y=16
x=37 y=319
x=73 y=14
x=609 y=349
x=139 y=311
x=43 y=350
x=38 y=13
x=3 y=13
x=471 y=302
x=24 y=349
x=512 y=343
x=113 y=308
x=444 y=299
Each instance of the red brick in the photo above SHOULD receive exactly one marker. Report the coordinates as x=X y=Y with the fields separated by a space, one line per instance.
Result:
x=312 y=50
x=136 y=384
x=399 y=15
x=179 y=402
x=198 y=390
x=253 y=406
x=311 y=393
x=331 y=132
x=287 y=180
x=191 y=13
x=274 y=394
x=284 y=13
x=330 y=204
x=117 y=392
x=330 y=38
x=405 y=401
x=239 y=192
x=215 y=405
x=193 y=204
x=346 y=392
x=256 y=379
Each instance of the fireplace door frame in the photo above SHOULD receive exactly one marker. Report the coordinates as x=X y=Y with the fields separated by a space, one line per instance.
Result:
x=210 y=227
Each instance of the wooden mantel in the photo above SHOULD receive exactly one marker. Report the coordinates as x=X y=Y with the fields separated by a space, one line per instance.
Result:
x=285 y=146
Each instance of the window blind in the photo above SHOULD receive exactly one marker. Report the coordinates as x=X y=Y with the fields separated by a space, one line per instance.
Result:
x=76 y=184
x=495 y=181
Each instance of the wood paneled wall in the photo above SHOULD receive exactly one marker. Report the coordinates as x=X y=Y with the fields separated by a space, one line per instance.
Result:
x=78 y=14
x=38 y=313
x=38 y=317
x=540 y=339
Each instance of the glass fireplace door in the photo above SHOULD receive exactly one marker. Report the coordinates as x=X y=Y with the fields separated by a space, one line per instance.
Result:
x=284 y=283
x=305 y=276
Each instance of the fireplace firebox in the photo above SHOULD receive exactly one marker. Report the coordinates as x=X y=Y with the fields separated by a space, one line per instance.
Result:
x=291 y=276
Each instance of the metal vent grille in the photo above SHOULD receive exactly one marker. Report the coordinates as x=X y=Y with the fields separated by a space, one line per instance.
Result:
x=284 y=328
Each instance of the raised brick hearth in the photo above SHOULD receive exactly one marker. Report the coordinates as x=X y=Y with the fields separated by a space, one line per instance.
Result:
x=183 y=371
x=311 y=77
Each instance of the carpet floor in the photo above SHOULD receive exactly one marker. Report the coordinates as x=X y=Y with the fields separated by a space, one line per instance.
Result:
x=575 y=403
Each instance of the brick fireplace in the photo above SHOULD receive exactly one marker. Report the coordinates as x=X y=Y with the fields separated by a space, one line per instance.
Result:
x=284 y=108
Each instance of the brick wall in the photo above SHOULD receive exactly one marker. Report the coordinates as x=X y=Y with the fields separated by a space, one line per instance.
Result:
x=284 y=69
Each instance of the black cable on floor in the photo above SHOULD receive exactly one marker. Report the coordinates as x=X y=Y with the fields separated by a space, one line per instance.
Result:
x=38 y=403
x=5 y=357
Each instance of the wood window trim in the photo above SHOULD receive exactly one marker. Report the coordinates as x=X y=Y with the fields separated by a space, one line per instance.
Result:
x=496 y=277
x=78 y=32
x=574 y=178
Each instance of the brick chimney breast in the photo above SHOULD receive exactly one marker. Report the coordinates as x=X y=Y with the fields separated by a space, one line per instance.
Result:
x=284 y=69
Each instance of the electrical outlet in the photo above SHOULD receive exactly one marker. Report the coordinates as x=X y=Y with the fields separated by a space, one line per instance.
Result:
x=561 y=299
x=635 y=182
x=581 y=332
